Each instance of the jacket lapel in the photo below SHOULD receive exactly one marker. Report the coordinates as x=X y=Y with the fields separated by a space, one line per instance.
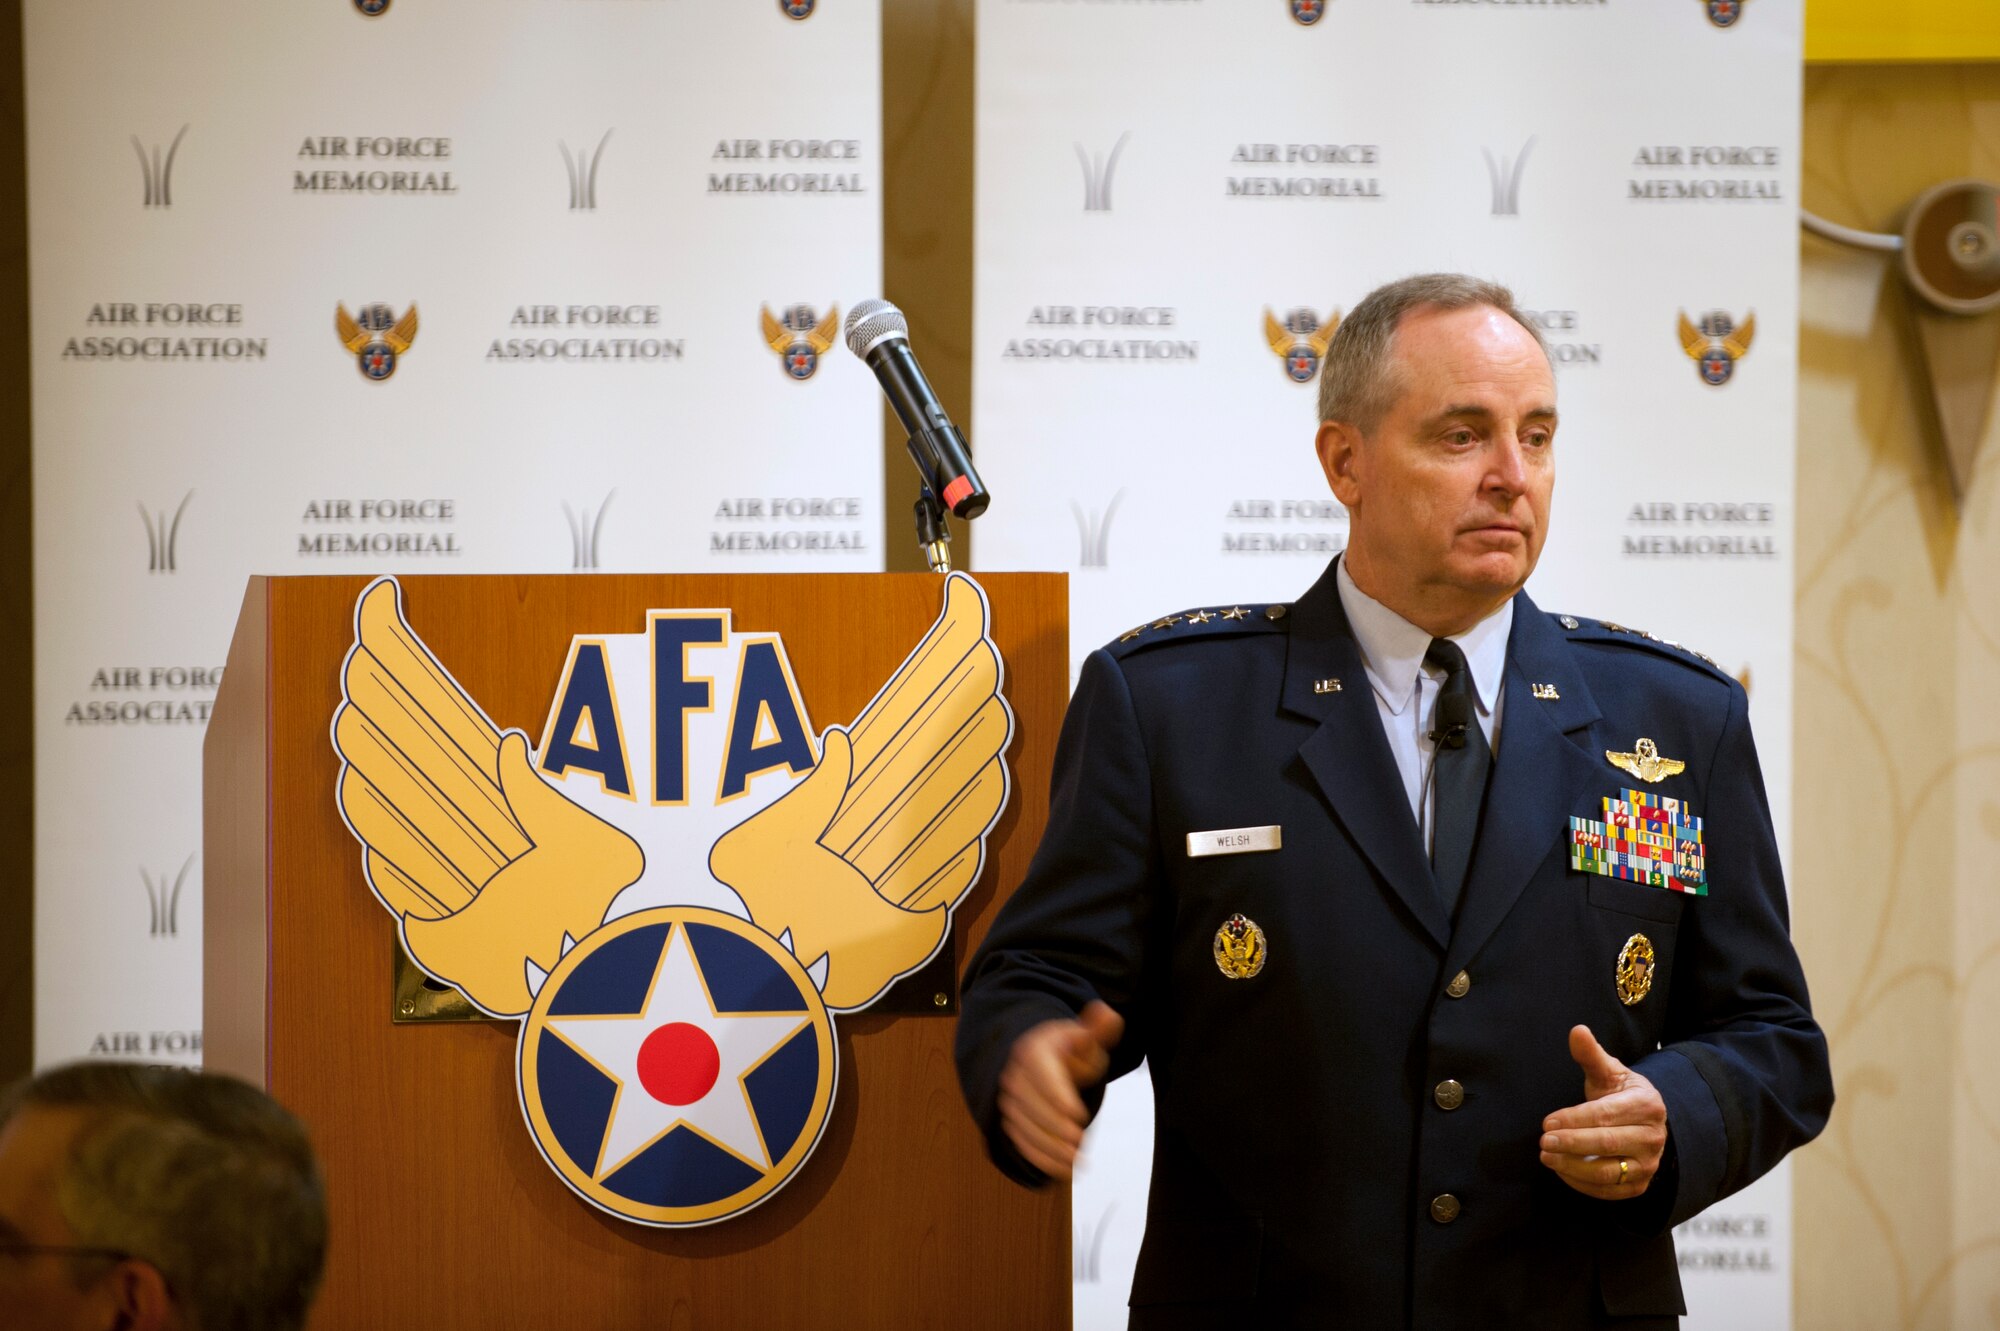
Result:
x=1349 y=755
x=1540 y=770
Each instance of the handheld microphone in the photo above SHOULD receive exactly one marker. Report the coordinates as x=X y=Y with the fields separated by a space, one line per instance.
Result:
x=878 y=333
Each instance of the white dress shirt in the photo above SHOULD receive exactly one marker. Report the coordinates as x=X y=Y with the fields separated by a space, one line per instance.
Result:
x=1392 y=650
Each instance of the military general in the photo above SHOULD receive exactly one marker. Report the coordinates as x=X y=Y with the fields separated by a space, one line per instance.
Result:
x=1451 y=931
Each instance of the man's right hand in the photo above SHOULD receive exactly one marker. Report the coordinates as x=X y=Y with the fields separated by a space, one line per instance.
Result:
x=1041 y=1109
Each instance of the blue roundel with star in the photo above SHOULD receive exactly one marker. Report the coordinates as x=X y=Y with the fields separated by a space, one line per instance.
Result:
x=800 y=361
x=378 y=362
x=677 y=1067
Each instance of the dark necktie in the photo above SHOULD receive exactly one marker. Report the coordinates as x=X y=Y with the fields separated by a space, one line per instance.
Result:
x=1460 y=764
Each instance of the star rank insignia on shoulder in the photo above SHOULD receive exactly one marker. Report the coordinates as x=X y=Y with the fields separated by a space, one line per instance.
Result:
x=1603 y=630
x=1215 y=621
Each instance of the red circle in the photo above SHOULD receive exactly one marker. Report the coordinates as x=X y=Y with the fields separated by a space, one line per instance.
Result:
x=678 y=1063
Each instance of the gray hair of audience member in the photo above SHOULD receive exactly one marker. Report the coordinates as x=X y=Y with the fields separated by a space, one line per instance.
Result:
x=1358 y=383
x=203 y=1176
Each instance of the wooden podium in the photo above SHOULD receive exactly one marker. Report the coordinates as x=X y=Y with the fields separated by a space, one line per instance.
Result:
x=443 y=1213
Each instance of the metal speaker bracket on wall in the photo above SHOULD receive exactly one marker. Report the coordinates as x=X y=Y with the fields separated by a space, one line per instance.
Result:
x=1950 y=254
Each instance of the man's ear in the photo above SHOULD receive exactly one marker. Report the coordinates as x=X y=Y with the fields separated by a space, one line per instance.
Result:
x=141 y=1297
x=1338 y=445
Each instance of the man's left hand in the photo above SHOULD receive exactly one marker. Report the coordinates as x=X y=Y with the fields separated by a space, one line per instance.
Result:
x=1622 y=1121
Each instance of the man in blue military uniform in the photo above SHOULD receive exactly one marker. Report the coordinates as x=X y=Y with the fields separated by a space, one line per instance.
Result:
x=1453 y=932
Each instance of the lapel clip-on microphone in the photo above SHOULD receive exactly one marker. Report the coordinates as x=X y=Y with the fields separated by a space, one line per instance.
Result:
x=1452 y=720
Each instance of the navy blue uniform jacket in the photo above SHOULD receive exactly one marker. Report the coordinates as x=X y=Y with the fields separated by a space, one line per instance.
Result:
x=1299 y=1146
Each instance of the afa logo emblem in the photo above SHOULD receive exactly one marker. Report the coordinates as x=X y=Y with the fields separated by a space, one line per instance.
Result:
x=376 y=337
x=1308 y=12
x=1716 y=344
x=676 y=949
x=1300 y=341
x=801 y=337
x=798 y=9
x=1724 y=13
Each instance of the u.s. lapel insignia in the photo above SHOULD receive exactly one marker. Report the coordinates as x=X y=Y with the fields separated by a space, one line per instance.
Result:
x=1635 y=969
x=1547 y=693
x=1239 y=948
x=1645 y=762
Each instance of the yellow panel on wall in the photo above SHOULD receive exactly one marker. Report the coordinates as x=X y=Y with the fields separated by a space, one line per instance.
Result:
x=1870 y=30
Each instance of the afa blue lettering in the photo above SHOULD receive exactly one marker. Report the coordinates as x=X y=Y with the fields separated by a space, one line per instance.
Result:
x=764 y=692
x=587 y=696
x=674 y=696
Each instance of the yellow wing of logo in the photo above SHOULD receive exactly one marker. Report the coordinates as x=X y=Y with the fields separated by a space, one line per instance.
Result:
x=862 y=861
x=776 y=335
x=1738 y=342
x=1279 y=336
x=404 y=333
x=486 y=863
x=1282 y=339
x=826 y=332
x=1323 y=339
x=1693 y=341
x=352 y=335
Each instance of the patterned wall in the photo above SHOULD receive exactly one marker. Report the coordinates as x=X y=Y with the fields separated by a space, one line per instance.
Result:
x=627 y=357
x=1897 y=794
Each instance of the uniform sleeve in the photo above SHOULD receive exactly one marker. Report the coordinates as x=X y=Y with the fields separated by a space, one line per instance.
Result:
x=1743 y=1068
x=1076 y=929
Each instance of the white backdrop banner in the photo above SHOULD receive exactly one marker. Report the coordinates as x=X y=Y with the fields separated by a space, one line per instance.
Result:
x=1160 y=183
x=373 y=286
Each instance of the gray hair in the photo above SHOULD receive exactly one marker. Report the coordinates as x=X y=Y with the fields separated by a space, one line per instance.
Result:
x=1358 y=382
x=203 y=1176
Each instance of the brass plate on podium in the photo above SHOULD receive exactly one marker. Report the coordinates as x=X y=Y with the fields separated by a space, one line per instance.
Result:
x=419 y=999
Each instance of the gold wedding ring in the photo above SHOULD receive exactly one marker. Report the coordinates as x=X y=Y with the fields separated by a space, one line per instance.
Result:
x=1624 y=1167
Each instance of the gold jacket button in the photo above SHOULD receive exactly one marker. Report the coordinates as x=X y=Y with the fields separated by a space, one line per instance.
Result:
x=1444 y=1208
x=1460 y=986
x=1448 y=1094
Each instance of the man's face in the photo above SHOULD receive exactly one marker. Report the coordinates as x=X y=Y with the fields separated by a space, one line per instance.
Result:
x=1449 y=494
x=37 y=1289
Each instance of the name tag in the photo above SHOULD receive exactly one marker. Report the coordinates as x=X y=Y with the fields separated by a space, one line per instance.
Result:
x=1235 y=841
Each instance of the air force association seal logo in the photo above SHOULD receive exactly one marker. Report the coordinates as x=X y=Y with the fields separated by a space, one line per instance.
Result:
x=372 y=8
x=797 y=9
x=678 y=889
x=1308 y=12
x=1300 y=341
x=1724 y=13
x=376 y=336
x=1716 y=344
x=801 y=337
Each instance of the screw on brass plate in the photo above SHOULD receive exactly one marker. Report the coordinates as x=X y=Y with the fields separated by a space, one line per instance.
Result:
x=407 y=1006
x=941 y=1000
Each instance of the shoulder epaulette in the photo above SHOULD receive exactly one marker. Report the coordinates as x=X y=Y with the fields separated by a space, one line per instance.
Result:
x=1604 y=630
x=1206 y=622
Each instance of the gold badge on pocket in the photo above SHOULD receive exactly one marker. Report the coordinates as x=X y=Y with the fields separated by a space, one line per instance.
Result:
x=1239 y=948
x=1635 y=969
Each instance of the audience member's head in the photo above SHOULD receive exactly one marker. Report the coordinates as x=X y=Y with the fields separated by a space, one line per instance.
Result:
x=144 y=1198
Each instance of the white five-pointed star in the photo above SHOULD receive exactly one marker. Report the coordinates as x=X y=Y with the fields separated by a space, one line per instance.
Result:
x=679 y=994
